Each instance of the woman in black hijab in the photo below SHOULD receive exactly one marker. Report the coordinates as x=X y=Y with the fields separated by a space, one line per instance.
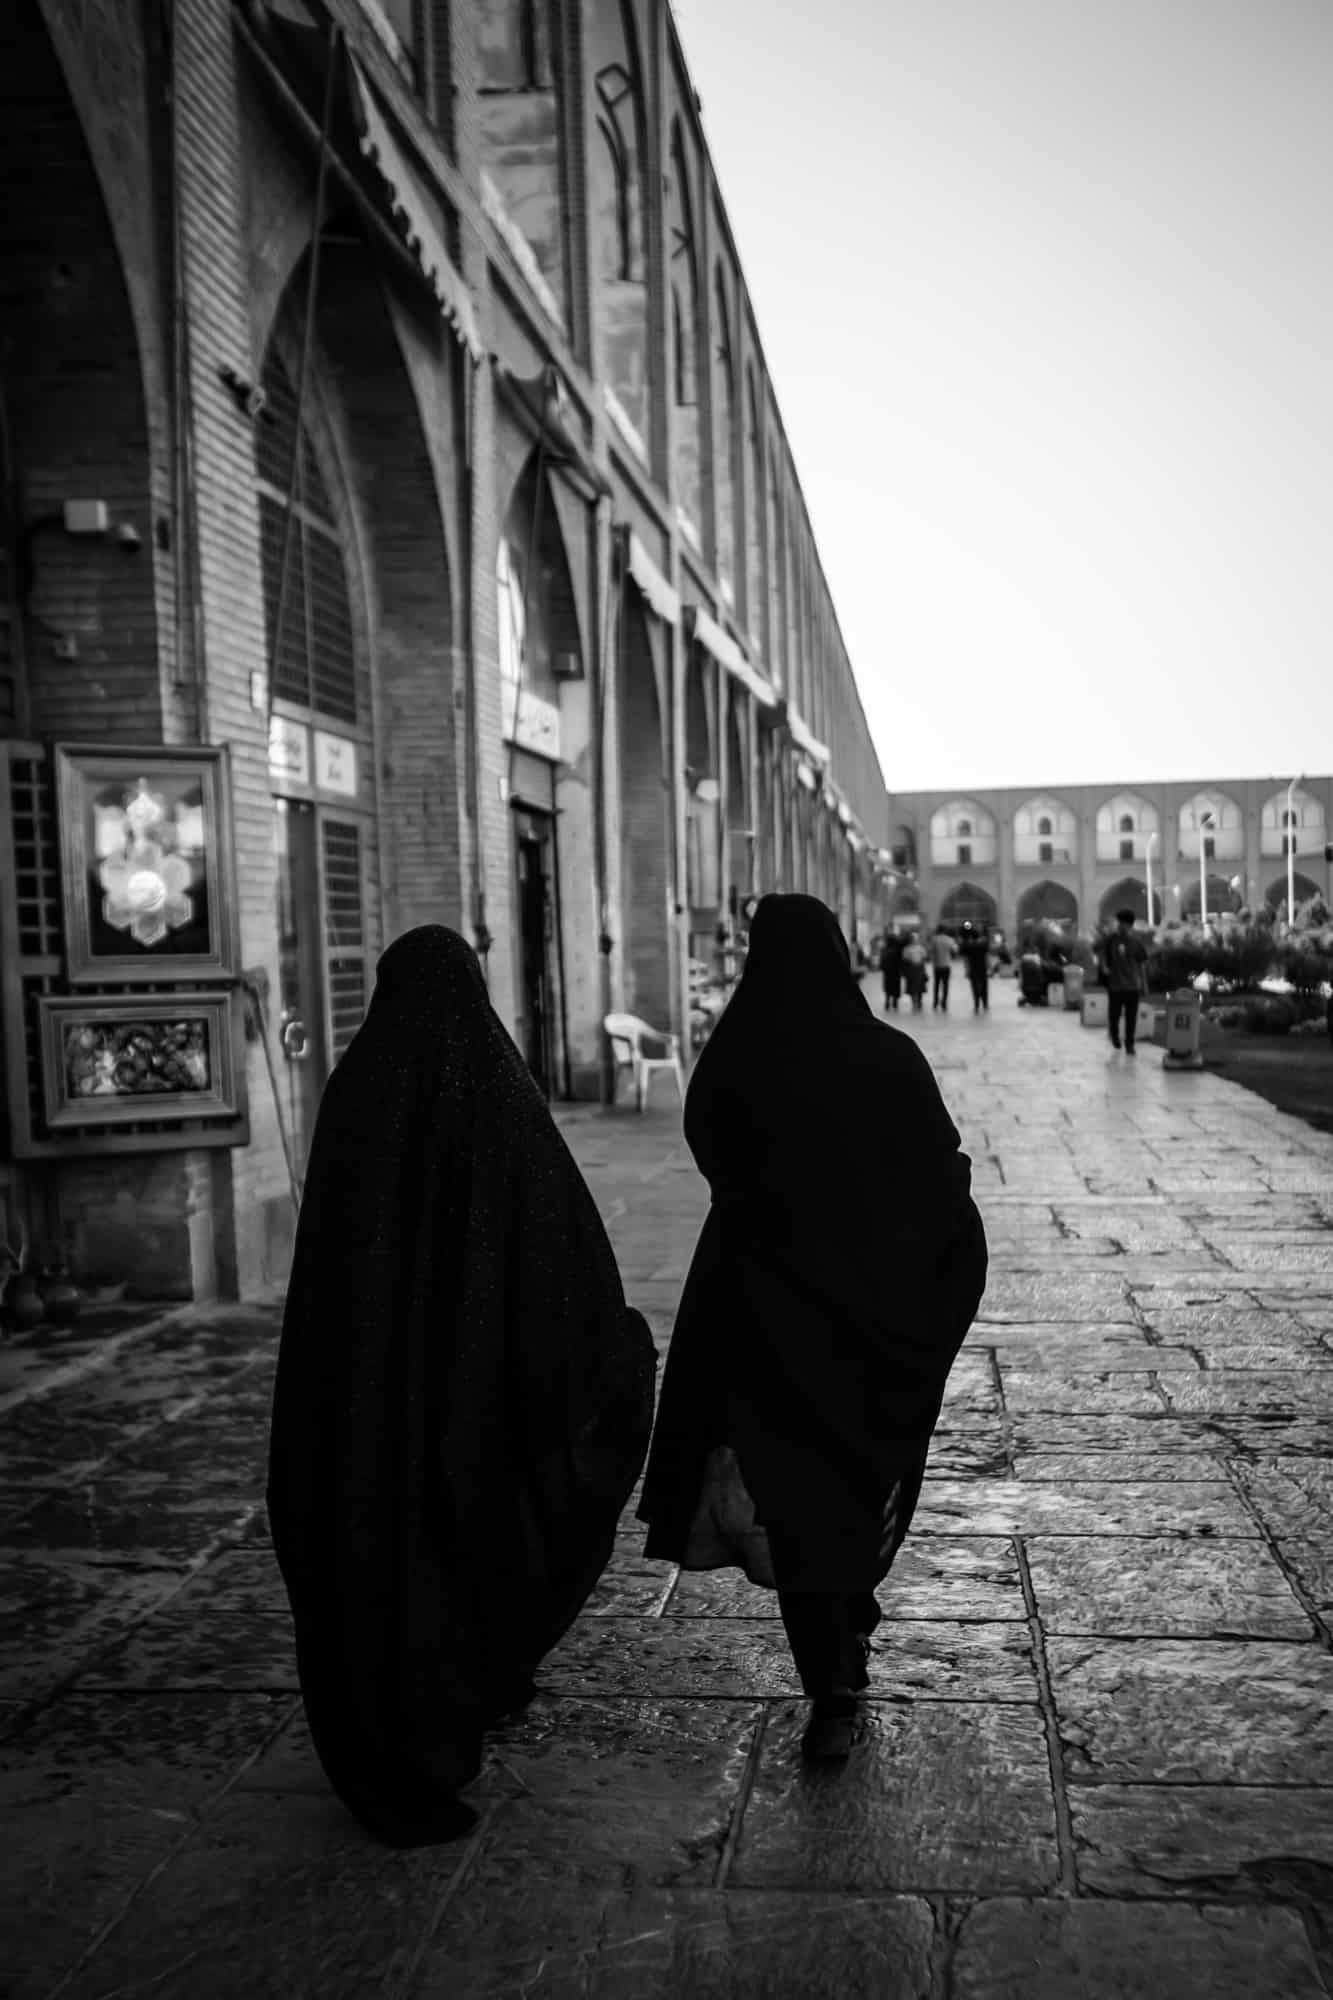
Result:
x=837 y=1273
x=463 y=1398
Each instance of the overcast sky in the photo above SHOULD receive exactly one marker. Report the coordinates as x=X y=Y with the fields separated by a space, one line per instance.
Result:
x=1046 y=291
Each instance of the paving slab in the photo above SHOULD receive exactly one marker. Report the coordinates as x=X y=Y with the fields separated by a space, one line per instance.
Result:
x=1211 y=1711
x=963 y=1660
x=937 y=1797
x=1011 y=1950
x=106 y=1787
x=1162 y=1587
x=1209 y=1508
x=555 y=1931
x=1187 y=1840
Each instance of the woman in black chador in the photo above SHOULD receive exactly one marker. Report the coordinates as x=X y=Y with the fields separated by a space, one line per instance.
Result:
x=837 y=1273
x=463 y=1398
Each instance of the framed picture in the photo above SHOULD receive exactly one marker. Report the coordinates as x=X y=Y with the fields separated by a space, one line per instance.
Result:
x=112 y=1060
x=146 y=854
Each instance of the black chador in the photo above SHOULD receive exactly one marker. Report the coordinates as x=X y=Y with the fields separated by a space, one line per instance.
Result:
x=463 y=1398
x=837 y=1273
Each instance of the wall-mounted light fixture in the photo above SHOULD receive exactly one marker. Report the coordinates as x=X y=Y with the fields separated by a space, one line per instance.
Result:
x=76 y=517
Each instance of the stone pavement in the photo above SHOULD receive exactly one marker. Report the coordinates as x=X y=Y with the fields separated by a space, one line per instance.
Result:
x=1097 y=1762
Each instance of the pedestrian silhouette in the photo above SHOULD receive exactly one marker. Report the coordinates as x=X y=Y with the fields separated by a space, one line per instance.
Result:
x=943 y=952
x=463 y=1398
x=837 y=1273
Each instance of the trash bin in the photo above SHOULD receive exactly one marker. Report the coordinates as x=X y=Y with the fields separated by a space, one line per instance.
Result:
x=1094 y=1008
x=1073 y=982
x=1183 y=1011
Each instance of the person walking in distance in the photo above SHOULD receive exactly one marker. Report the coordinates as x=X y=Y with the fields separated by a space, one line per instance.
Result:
x=975 y=949
x=891 y=969
x=1122 y=957
x=801 y=1388
x=943 y=952
x=914 y=971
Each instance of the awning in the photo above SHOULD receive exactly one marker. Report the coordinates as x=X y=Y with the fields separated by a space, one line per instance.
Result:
x=728 y=654
x=803 y=739
x=652 y=583
x=409 y=208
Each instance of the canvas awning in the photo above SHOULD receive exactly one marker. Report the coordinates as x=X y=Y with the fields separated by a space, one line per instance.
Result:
x=652 y=583
x=728 y=654
x=409 y=208
x=804 y=740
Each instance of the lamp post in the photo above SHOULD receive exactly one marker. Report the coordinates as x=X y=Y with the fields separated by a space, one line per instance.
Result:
x=1205 y=819
x=1289 y=842
x=1147 y=871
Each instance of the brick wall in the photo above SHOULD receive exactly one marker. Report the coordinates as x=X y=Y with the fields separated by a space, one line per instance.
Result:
x=216 y=279
x=76 y=403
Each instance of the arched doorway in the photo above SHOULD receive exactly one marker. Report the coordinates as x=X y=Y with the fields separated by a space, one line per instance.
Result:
x=1223 y=897
x=967 y=904
x=361 y=741
x=740 y=821
x=645 y=823
x=1048 y=903
x=1130 y=893
x=703 y=810
x=1276 y=892
x=539 y=642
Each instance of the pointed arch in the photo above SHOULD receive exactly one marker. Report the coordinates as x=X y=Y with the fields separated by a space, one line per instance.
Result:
x=756 y=539
x=1130 y=893
x=969 y=904
x=618 y=162
x=724 y=432
x=962 y=834
x=1048 y=903
x=1211 y=819
x=683 y=283
x=1301 y=826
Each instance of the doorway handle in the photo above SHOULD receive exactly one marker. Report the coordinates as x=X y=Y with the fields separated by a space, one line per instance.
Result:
x=295 y=1038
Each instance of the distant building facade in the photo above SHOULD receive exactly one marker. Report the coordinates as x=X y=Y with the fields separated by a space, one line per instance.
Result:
x=382 y=411
x=1074 y=854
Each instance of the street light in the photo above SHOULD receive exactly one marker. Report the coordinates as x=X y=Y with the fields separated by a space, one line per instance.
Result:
x=1205 y=819
x=1147 y=870
x=1289 y=842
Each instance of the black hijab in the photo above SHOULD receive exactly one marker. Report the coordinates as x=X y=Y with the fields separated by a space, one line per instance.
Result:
x=462 y=1398
x=842 y=1259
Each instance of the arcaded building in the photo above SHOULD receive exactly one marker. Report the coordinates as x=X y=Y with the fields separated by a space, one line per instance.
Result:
x=398 y=526
x=1074 y=854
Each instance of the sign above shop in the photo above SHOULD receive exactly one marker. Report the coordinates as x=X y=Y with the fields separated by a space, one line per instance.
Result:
x=335 y=764
x=531 y=723
x=288 y=750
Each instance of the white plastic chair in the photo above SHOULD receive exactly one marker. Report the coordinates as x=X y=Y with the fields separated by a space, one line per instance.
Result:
x=626 y=1034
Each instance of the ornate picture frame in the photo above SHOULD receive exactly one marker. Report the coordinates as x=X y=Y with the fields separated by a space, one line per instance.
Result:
x=116 y=1059
x=147 y=863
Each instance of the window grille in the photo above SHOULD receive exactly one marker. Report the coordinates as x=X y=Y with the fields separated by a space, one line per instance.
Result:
x=1126 y=850
x=964 y=853
x=1045 y=851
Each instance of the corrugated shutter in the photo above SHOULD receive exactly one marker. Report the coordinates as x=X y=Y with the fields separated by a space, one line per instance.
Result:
x=315 y=661
x=344 y=932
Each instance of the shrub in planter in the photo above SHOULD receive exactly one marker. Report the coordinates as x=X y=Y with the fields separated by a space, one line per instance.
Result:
x=1241 y=959
x=1174 y=964
x=1270 y=1015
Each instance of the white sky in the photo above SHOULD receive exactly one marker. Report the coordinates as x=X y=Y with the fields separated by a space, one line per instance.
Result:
x=1046 y=291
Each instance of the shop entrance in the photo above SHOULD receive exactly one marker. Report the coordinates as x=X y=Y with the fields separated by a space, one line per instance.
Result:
x=537 y=915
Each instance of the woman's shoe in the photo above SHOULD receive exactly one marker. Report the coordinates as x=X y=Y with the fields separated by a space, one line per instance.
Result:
x=831 y=1730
